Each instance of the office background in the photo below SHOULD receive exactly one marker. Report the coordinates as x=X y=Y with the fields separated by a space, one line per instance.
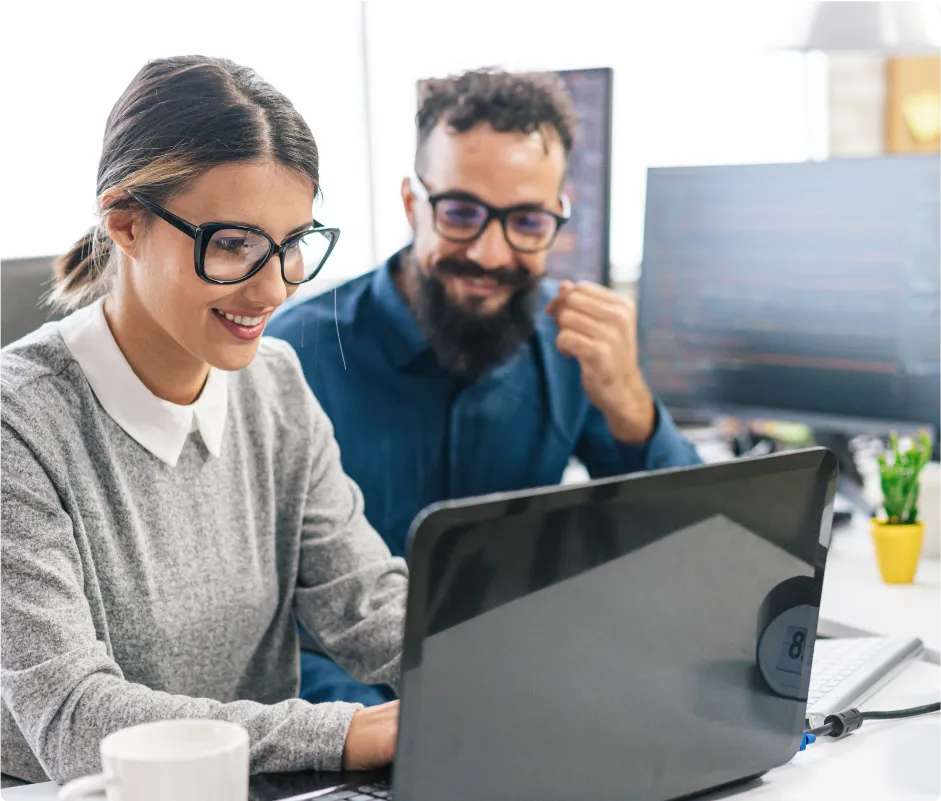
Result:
x=695 y=83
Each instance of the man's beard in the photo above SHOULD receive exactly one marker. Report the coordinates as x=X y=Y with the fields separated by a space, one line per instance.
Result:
x=467 y=341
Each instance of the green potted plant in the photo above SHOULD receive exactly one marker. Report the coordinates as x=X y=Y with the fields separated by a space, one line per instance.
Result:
x=898 y=535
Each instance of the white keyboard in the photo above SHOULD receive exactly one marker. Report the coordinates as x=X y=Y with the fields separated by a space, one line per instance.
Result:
x=845 y=672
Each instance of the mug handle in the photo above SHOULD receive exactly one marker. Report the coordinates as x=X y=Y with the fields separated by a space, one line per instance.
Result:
x=80 y=788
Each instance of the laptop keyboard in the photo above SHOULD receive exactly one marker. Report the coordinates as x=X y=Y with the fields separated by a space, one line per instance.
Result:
x=368 y=792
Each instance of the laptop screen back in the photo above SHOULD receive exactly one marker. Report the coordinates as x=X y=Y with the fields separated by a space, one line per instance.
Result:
x=642 y=638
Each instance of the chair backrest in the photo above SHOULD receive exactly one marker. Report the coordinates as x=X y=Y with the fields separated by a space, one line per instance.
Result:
x=23 y=283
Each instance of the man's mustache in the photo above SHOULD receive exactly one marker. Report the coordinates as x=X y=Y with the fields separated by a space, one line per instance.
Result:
x=506 y=276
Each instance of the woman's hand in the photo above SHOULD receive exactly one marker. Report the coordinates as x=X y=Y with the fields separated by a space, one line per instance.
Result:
x=370 y=741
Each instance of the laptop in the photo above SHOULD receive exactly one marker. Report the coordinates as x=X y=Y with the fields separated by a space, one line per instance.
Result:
x=638 y=638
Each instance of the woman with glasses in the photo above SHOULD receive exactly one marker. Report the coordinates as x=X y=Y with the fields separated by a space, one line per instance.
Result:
x=172 y=495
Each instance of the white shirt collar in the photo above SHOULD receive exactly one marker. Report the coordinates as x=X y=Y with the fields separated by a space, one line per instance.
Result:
x=158 y=425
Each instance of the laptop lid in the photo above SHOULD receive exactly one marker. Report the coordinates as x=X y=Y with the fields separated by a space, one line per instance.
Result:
x=644 y=637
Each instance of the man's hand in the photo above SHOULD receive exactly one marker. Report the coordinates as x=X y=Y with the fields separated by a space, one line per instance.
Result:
x=370 y=741
x=599 y=328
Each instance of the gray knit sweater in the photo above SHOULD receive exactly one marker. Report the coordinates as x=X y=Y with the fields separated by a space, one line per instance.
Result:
x=133 y=591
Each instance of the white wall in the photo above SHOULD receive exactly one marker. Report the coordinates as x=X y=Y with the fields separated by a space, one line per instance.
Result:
x=695 y=83
x=65 y=64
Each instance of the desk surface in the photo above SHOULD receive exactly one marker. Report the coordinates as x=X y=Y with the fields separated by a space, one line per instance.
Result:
x=884 y=759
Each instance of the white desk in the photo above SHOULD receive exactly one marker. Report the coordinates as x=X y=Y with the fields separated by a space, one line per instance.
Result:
x=895 y=760
x=856 y=599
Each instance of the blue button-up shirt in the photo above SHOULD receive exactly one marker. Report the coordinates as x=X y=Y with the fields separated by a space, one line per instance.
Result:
x=411 y=433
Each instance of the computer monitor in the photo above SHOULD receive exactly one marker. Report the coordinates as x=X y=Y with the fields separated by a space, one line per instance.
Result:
x=23 y=284
x=805 y=292
x=582 y=250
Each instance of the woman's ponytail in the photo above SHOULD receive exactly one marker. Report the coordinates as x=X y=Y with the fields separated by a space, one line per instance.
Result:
x=84 y=273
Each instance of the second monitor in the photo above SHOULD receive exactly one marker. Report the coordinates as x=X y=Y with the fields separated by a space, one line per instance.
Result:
x=806 y=291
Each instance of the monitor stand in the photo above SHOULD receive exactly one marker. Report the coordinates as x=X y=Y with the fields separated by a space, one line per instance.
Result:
x=849 y=483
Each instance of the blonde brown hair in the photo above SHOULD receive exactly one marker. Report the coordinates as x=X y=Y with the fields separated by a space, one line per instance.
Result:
x=179 y=118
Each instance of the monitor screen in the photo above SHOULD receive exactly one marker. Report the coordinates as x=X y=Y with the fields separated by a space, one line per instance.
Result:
x=23 y=285
x=582 y=249
x=795 y=291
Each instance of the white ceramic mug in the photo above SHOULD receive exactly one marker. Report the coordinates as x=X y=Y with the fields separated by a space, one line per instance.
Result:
x=171 y=760
x=929 y=508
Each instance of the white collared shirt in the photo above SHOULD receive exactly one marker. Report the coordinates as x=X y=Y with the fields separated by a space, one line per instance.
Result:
x=158 y=425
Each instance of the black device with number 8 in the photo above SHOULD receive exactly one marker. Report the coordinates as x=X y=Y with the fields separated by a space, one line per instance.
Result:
x=783 y=649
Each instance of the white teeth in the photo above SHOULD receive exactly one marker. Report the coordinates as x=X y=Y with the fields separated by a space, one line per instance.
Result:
x=248 y=322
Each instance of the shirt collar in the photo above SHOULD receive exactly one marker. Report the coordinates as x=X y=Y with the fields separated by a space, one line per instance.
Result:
x=158 y=425
x=405 y=341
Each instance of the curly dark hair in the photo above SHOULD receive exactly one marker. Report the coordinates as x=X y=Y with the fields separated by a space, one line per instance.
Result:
x=509 y=102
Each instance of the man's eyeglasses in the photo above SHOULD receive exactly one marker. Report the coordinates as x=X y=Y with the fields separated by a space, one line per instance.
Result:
x=227 y=253
x=461 y=217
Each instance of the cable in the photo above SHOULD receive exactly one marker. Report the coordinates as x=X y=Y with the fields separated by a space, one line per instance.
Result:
x=843 y=723
x=903 y=713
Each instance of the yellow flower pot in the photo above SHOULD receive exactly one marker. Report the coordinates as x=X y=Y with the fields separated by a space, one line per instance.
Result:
x=898 y=549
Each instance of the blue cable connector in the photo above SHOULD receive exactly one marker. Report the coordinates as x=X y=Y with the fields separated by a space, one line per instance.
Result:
x=806 y=740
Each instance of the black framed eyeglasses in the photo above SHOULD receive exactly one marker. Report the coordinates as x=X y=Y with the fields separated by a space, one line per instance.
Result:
x=228 y=253
x=462 y=217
